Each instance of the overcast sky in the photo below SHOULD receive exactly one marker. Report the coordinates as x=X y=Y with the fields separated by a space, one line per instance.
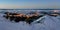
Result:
x=29 y=4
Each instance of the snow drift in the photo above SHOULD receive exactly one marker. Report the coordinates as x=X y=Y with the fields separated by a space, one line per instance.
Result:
x=48 y=23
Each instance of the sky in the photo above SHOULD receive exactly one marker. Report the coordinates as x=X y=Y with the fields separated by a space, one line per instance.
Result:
x=25 y=4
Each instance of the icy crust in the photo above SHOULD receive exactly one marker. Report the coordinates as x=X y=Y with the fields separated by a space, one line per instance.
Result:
x=48 y=23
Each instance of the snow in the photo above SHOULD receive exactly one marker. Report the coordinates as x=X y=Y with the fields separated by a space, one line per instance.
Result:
x=48 y=23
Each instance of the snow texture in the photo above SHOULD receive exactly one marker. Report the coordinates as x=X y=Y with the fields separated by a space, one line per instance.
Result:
x=48 y=23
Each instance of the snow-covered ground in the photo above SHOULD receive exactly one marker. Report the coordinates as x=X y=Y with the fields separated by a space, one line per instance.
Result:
x=48 y=23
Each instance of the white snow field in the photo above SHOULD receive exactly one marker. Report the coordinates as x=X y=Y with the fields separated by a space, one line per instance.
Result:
x=48 y=23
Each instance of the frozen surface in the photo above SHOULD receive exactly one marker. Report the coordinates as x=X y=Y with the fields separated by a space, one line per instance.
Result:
x=48 y=23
